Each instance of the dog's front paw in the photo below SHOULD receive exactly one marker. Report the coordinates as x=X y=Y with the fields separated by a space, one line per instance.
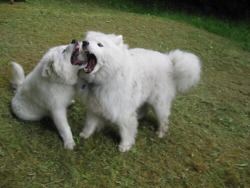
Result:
x=162 y=131
x=84 y=135
x=72 y=102
x=69 y=145
x=124 y=148
x=161 y=134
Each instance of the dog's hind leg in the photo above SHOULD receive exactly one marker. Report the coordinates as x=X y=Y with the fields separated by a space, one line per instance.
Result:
x=162 y=110
x=163 y=127
x=93 y=123
x=22 y=111
x=61 y=122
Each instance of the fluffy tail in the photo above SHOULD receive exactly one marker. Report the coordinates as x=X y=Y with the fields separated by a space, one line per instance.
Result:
x=17 y=75
x=187 y=69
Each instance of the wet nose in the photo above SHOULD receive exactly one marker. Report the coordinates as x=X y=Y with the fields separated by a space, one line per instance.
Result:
x=85 y=43
x=74 y=41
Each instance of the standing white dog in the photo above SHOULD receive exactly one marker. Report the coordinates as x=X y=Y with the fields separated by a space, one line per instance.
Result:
x=49 y=88
x=121 y=81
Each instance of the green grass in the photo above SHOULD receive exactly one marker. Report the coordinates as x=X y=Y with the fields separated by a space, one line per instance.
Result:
x=208 y=141
x=238 y=31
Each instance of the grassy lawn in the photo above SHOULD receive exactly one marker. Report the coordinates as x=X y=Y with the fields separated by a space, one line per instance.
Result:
x=208 y=144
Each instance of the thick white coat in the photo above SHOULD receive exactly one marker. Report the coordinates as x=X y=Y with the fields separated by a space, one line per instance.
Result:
x=125 y=80
x=47 y=90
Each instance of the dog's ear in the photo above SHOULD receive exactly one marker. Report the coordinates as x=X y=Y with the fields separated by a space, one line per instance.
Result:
x=119 y=40
x=47 y=69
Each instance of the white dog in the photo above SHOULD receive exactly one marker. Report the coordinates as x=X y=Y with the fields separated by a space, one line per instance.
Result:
x=121 y=81
x=49 y=88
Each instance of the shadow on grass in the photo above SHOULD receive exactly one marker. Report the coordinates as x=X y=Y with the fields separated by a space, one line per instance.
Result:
x=149 y=122
x=111 y=131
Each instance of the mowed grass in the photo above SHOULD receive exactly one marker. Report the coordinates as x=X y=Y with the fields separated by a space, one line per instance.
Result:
x=208 y=141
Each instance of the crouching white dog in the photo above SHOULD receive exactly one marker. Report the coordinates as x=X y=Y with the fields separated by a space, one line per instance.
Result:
x=49 y=88
x=121 y=81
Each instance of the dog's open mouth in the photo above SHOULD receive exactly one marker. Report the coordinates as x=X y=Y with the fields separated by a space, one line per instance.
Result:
x=91 y=62
x=75 y=56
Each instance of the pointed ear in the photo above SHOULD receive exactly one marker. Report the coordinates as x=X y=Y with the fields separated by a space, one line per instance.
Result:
x=47 y=69
x=119 y=40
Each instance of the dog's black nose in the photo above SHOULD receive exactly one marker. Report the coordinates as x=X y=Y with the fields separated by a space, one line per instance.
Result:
x=74 y=41
x=85 y=43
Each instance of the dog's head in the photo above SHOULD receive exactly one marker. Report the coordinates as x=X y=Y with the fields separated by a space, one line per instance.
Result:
x=102 y=52
x=63 y=61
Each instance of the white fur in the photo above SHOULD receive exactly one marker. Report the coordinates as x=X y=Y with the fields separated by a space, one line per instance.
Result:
x=124 y=80
x=17 y=76
x=47 y=90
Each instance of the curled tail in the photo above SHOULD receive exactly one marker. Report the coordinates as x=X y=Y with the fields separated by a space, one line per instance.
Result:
x=187 y=69
x=17 y=75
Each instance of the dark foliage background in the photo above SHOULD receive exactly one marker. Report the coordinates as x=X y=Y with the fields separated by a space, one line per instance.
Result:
x=226 y=9
x=230 y=9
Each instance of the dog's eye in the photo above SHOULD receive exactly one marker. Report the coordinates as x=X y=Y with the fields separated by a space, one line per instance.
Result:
x=63 y=51
x=100 y=44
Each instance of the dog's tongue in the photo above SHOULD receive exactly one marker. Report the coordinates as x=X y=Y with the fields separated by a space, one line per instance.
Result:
x=90 y=66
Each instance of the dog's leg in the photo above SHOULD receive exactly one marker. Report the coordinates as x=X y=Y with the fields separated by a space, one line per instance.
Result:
x=128 y=131
x=162 y=111
x=93 y=123
x=163 y=127
x=61 y=122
